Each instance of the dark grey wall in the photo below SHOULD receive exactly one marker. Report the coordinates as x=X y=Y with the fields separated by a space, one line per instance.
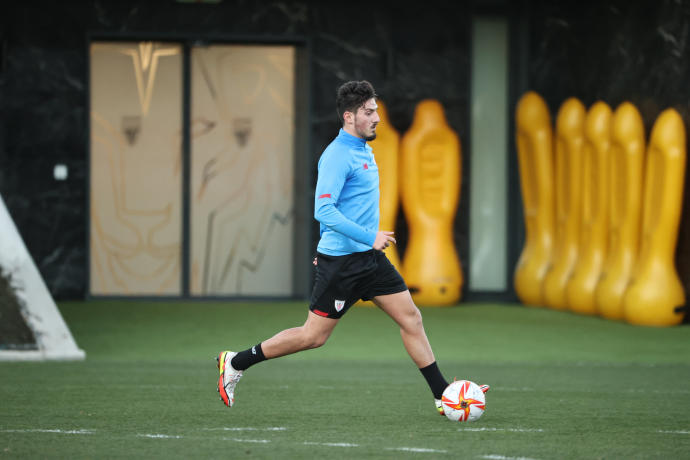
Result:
x=612 y=50
x=408 y=54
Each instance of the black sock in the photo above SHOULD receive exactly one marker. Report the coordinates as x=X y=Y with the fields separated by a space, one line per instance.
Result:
x=435 y=379
x=247 y=358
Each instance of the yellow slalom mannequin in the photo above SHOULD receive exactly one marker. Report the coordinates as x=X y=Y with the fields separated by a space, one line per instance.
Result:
x=569 y=142
x=656 y=289
x=535 y=156
x=386 y=148
x=627 y=159
x=430 y=190
x=595 y=196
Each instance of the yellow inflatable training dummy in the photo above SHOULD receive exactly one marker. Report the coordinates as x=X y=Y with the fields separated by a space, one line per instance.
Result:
x=430 y=190
x=581 y=287
x=627 y=159
x=569 y=142
x=535 y=156
x=656 y=290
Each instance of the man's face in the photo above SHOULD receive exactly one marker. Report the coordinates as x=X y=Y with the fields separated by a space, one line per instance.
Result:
x=366 y=120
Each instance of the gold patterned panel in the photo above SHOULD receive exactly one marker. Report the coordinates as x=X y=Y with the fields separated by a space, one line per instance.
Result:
x=242 y=170
x=136 y=116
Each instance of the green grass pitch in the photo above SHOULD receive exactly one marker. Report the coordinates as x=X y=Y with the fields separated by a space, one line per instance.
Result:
x=563 y=386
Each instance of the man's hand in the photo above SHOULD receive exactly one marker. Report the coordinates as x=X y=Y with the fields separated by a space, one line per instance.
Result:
x=383 y=240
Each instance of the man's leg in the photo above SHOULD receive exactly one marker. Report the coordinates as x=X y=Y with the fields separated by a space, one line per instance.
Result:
x=405 y=313
x=401 y=308
x=312 y=334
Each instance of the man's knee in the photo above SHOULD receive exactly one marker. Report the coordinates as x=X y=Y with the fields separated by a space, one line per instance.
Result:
x=412 y=320
x=319 y=340
x=314 y=339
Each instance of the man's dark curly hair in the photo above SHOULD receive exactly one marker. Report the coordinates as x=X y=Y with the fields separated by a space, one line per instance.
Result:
x=352 y=95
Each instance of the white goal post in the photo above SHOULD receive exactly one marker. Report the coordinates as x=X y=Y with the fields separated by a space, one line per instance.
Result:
x=53 y=338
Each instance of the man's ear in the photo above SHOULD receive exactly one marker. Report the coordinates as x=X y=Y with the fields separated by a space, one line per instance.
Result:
x=348 y=117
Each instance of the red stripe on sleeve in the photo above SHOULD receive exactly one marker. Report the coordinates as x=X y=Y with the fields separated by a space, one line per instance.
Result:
x=325 y=195
x=320 y=313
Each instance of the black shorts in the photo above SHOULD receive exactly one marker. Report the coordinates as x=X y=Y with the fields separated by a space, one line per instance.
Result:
x=343 y=280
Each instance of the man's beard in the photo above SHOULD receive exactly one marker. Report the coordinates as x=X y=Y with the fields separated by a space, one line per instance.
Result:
x=366 y=137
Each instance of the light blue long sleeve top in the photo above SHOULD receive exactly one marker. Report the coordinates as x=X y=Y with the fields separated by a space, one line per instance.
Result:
x=346 y=202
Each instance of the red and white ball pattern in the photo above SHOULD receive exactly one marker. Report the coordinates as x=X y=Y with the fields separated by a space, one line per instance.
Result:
x=463 y=401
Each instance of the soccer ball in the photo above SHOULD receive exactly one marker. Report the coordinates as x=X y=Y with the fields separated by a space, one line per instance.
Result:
x=463 y=401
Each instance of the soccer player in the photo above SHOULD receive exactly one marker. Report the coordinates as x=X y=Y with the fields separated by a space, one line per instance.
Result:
x=350 y=262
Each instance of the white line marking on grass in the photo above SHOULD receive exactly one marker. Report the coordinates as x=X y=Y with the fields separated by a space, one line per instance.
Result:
x=39 y=430
x=503 y=457
x=246 y=428
x=422 y=450
x=673 y=432
x=514 y=389
x=666 y=392
x=330 y=444
x=159 y=436
x=512 y=430
x=255 y=441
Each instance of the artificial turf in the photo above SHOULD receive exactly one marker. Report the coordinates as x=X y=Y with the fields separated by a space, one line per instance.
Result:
x=563 y=386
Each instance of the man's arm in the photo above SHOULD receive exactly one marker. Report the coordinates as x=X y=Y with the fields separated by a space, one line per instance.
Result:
x=333 y=171
x=329 y=215
x=383 y=240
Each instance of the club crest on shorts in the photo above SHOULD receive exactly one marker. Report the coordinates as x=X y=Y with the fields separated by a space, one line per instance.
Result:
x=339 y=304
